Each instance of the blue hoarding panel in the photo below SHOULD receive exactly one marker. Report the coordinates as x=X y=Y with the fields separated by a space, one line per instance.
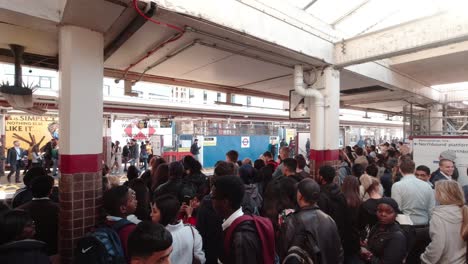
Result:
x=211 y=154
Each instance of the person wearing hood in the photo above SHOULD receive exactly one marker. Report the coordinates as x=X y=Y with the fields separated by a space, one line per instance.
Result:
x=333 y=202
x=16 y=242
x=448 y=227
x=451 y=171
x=247 y=175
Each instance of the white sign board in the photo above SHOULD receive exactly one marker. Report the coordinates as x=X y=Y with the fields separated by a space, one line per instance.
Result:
x=157 y=144
x=426 y=151
x=210 y=142
x=245 y=142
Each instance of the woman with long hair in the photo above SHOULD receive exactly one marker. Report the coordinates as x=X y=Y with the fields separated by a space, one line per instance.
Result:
x=149 y=176
x=160 y=176
x=187 y=242
x=448 y=227
x=368 y=210
x=351 y=246
x=350 y=189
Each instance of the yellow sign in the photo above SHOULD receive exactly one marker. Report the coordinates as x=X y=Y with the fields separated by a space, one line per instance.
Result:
x=23 y=127
x=209 y=142
x=290 y=134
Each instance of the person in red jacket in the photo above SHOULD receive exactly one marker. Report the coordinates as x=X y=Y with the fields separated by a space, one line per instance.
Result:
x=268 y=158
x=120 y=203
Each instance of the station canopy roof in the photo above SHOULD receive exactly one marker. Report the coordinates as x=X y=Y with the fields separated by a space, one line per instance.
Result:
x=356 y=17
x=251 y=49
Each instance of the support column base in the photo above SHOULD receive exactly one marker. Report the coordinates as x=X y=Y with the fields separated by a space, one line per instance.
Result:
x=320 y=158
x=80 y=195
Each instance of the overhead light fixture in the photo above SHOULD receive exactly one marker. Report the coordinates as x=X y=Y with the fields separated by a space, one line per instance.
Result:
x=465 y=102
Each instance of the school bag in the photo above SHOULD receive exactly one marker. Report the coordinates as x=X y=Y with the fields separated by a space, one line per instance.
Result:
x=265 y=233
x=102 y=245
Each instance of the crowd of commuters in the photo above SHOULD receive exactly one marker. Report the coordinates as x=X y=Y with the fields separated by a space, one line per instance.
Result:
x=375 y=206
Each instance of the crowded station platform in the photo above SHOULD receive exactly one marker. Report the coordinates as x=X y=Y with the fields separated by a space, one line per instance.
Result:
x=234 y=131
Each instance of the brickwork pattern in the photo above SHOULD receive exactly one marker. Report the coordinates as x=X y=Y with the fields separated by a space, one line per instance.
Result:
x=80 y=197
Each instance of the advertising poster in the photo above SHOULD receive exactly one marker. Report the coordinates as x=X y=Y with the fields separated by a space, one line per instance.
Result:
x=426 y=151
x=23 y=127
x=290 y=134
x=141 y=130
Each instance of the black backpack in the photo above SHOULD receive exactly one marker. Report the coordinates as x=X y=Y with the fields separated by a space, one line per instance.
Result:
x=304 y=248
x=102 y=245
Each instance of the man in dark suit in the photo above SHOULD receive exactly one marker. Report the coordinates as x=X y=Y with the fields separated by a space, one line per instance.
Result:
x=14 y=160
x=445 y=171
x=44 y=212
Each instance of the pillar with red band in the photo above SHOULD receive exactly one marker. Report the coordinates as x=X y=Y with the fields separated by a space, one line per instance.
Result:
x=80 y=144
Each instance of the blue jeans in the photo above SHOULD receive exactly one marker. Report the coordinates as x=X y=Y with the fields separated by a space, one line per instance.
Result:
x=145 y=163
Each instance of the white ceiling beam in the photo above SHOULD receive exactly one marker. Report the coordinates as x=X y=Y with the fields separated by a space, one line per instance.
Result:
x=431 y=32
x=46 y=9
x=373 y=97
x=273 y=22
x=430 y=53
x=381 y=72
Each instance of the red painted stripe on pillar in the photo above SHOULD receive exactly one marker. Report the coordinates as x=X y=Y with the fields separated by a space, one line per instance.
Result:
x=70 y=164
x=324 y=155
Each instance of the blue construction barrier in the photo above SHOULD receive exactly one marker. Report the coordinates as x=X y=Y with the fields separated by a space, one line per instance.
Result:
x=211 y=154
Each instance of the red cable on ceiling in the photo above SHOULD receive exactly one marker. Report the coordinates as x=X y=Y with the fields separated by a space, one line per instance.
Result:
x=135 y=5
x=149 y=53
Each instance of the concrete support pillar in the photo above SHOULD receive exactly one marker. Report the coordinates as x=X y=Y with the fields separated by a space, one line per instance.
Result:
x=107 y=141
x=80 y=114
x=325 y=151
x=436 y=120
x=2 y=142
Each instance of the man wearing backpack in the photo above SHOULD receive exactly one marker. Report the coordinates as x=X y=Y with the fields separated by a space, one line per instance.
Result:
x=247 y=239
x=309 y=235
x=120 y=202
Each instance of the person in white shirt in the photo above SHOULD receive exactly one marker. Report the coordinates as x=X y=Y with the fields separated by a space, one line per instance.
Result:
x=415 y=199
x=187 y=242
